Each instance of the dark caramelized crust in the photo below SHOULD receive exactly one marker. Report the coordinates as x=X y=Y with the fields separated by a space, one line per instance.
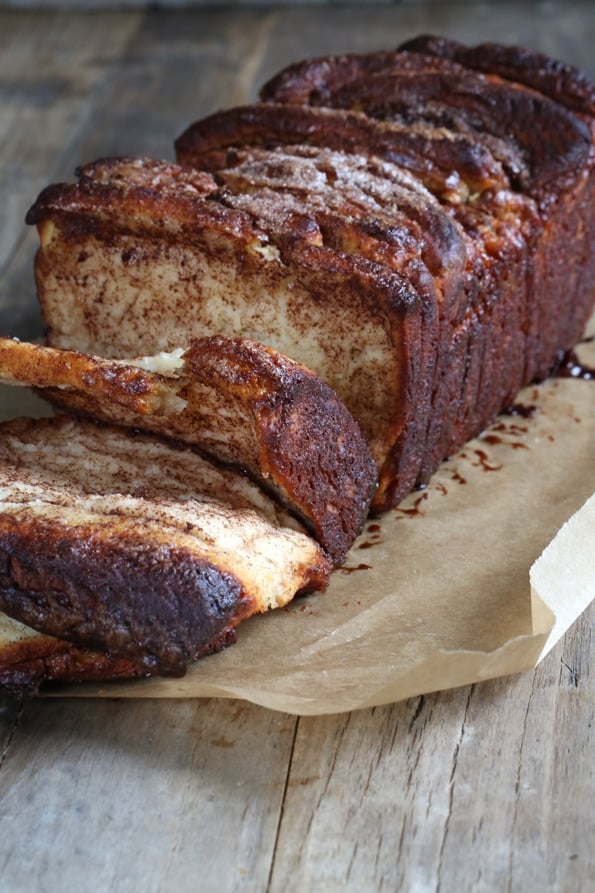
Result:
x=23 y=670
x=147 y=601
x=563 y=256
x=449 y=164
x=311 y=452
x=123 y=544
x=241 y=403
x=565 y=83
x=313 y=81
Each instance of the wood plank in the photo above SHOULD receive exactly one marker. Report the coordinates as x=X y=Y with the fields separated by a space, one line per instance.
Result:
x=359 y=792
x=145 y=796
x=49 y=70
x=485 y=788
x=52 y=70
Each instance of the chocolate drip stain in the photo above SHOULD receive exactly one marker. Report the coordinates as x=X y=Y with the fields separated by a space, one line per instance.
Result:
x=415 y=510
x=571 y=367
x=349 y=569
x=484 y=462
x=520 y=409
x=506 y=428
x=495 y=439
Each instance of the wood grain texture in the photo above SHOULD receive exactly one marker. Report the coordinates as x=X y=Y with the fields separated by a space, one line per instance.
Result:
x=483 y=788
x=52 y=75
x=183 y=795
x=479 y=789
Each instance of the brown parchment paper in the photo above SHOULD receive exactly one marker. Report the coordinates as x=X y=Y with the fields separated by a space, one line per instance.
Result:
x=434 y=594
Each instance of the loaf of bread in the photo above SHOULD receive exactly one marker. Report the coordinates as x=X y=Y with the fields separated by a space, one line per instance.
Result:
x=123 y=544
x=417 y=232
x=241 y=403
x=415 y=226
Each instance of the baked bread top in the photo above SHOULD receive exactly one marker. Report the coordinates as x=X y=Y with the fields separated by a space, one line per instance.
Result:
x=540 y=142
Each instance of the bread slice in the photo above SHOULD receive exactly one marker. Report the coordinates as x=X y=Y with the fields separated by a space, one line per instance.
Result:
x=538 y=141
x=28 y=659
x=241 y=403
x=565 y=83
x=145 y=267
x=120 y=543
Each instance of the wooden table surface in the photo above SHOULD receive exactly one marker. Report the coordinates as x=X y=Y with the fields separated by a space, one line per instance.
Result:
x=485 y=788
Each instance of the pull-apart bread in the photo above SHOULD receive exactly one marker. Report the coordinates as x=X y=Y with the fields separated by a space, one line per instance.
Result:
x=415 y=226
x=241 y=403
x=417 y=232
x=140 y=553
x=533 y=114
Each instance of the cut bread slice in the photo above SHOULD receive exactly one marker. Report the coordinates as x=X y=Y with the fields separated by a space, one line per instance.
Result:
x=242 y=403
x=121 y=543
x=565 y=83
x=128 y=270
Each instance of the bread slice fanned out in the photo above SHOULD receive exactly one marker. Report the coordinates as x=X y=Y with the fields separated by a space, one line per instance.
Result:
x=242 y=403
x=123 y=544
